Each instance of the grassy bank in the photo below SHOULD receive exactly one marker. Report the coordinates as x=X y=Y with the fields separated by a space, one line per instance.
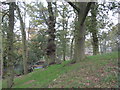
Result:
x=94 y=71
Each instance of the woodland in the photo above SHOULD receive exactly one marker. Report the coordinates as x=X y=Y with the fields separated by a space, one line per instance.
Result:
x=61 y=44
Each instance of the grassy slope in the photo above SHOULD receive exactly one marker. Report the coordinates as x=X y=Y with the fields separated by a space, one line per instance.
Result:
x=94 y=71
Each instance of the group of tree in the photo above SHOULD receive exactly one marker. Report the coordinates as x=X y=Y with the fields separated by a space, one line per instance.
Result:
x=55 y=32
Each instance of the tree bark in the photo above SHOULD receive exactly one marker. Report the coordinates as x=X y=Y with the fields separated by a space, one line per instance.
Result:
x=51 y=47
x=10 y=65
x=79 y=52
x=64 y=37
x=64 y=48
x=65 y=25
x=94 y=30
x=71 y=49
x=1 y=51
x=24 y=42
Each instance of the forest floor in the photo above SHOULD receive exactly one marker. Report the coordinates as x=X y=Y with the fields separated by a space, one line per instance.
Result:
x=99 y=71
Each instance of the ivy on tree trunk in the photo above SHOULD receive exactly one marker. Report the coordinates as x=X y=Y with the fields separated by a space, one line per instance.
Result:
x=10 y=65
x=51 y=47
x=93 y=28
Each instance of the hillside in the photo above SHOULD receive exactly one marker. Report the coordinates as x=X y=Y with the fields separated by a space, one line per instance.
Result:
x=94 y=71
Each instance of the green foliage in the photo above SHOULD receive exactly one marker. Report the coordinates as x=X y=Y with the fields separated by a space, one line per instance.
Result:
x=38 y=13
x=37 y=48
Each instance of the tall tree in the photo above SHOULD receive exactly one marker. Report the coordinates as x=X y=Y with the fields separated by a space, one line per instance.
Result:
x=24 y=42
x=71 y=49
x=73 y=32
x=93 y=29
x=10 y=64
x=82 y=10
x=64 y=36
x=1 y=50
x=51 y=47
x=63 y=22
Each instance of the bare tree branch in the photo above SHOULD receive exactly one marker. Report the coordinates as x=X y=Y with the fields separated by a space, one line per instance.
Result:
x=5 y=3
x=86 y=12
x=74 y=6
x=46 y=21
x=4 y=14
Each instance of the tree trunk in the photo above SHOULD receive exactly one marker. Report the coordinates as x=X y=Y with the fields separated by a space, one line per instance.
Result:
x=94 y=30
x=1 y=51
x=95 y=44
x=64 y=36
x=82 y=9
x=10 y=65
x=79 y=51
x=64 y=53
x=104 y=46
x=71 y=49
x=24 y=43
x=51 y=47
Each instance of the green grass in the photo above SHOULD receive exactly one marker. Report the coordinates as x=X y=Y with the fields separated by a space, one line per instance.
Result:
x=70 y=75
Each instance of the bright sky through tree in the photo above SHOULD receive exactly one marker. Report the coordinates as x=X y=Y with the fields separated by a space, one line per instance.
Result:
x=113 y=18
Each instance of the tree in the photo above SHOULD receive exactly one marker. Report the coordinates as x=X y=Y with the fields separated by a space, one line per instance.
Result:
x=64 y=12
x=71 y=49
x=99 y=20
x=64 y=34
x=82 y=11
x=113 y=38
x=103 y=22
x=73 y=34
x=4 y=27
x=51 y=47
x=93 y=28
x=10 y=56
x=1 y=50
x=37 y=47
x=24 y=42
